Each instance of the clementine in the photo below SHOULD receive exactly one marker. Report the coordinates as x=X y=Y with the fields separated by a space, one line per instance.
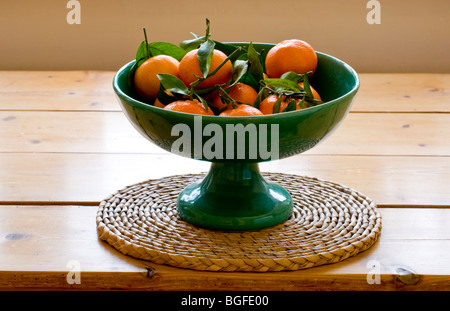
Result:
x=242 y=110
x=290 y=55
x=190 y=69
x=146 y=80
x=266 y=106
x=241 y=93
x=189 y=106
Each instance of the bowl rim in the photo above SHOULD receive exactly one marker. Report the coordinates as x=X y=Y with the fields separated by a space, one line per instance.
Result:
x=141 y=105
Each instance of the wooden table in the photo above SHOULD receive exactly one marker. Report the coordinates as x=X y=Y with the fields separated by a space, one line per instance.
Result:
x=65 y=145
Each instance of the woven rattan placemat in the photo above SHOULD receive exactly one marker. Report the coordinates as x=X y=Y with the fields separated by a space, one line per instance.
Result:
x=330 y=223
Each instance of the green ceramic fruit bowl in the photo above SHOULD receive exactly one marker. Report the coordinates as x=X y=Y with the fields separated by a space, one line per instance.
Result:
x=234 y=196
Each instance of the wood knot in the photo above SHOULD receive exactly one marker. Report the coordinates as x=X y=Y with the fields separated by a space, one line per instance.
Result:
x=9 y=118
x=407 y=276
x=16 y=236
x=149 y=272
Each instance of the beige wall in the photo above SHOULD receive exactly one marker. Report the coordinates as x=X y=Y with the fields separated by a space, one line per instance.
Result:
x=413 y=35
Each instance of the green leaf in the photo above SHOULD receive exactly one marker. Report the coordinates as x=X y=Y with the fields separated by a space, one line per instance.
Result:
x=239 y=70
x=173 y=84
x=205 y=54
x=291 y=106
x=282 y=84
x=250 y=80
x=189 y=45
x=262 y=94
x=276 y=105
x=309 y=97
x=255 y=67
x=203 y=101
x=302 y=103
x=293 y=76
x=166 y=48
x=307 y=87
x=141 y=52
x=313 y=102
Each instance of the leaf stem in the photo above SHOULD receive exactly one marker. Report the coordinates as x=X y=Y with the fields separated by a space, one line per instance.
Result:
x=201 y=79
x=207 y=35
x=146 y=43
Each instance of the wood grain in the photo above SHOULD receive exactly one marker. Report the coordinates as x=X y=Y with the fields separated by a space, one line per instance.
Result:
x=89 y=178
x=65 y=145
x=57 y=90
x=38 y=243
x=111 y=132
x=403 y=93
x=92 y=90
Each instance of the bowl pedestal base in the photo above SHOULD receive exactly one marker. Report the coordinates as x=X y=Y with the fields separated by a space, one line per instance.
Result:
x=234 y=196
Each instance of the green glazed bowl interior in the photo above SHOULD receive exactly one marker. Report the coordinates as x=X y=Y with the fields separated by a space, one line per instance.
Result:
x=234 y=196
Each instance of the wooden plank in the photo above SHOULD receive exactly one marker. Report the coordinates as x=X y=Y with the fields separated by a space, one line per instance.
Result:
x=63 y=140
x=57 y=90
x=92 y=90
x=110 y=132
x=56 y=81
x=403 y=93
x=66 y=100
x=89 y=178
x=389 y=134
x=49 y=131
x=30 y=235
x=39 y=242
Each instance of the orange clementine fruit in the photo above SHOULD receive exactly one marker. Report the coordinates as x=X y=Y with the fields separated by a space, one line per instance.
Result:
x=218 y=103
x=314 y=92
x=211 y=95
x=266 y=106
x=240 y=92
x=146 y=81
x=158 y=104
x=243 y=93
x=190 y=68
x=290 y=55
x=189 y=106
x=242 y=110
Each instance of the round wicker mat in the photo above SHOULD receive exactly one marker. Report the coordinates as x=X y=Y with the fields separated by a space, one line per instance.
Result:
x=330 y=223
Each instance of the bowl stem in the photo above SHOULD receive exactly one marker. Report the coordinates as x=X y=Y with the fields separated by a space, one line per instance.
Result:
x=234 y=196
